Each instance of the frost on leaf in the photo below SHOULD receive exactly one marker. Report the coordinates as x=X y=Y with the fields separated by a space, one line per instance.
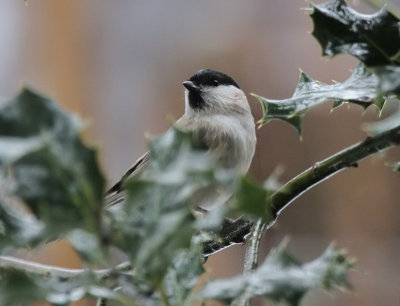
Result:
x=359 y=88
x=282 y=278
x=45 y=163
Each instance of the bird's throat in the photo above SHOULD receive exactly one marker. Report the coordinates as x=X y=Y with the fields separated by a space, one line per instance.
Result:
x=195 y=100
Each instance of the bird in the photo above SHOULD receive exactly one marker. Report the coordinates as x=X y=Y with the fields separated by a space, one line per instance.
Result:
x=218 y=115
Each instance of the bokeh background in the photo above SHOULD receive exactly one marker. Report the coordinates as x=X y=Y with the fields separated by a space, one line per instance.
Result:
x=120 y=64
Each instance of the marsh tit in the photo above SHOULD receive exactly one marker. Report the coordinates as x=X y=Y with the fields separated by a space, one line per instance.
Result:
x=219 y=116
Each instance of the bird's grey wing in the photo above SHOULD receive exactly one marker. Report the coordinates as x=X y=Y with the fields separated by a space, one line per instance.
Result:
x=115 y=194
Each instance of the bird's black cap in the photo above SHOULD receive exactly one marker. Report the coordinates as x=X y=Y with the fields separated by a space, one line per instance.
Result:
x=209 y=77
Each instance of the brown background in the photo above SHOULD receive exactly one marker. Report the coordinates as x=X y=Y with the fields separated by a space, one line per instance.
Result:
x=120 y=65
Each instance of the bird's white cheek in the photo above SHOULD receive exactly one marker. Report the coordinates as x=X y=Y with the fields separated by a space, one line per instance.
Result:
x=188 y=109
x=225 y=94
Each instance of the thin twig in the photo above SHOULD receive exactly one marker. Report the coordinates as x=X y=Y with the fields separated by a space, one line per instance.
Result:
x=48 y=270
x=253 y=246
x=251 y=257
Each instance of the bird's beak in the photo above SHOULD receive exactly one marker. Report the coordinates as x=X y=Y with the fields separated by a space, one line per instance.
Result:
x=192 y=87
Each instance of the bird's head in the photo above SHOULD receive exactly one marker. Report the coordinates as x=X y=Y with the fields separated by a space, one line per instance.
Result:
x=210 y=91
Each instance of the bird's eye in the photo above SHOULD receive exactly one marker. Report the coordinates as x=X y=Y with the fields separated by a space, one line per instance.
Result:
x=215 y=82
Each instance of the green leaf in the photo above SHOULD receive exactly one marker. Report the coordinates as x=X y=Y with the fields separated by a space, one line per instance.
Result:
x=17 y=288
x=373 y=39
x=359 y=88
x=44 y=160
x=251 y=198
x=283 y=278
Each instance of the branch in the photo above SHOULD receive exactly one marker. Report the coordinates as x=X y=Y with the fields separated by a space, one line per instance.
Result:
x=253 y=245
x=65 y=273
x=251 y=257
x=233 y=232
x=236 y=231
x=349 y=157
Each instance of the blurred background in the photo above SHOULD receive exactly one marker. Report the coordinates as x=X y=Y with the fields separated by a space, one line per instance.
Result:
x=120 y=65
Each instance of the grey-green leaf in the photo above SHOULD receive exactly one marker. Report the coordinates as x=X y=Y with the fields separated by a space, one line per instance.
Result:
x=388 y=80
x=158 y=211
x=19 y=288
x=17 y=228
x=88 y=246
x=283 y=278
x=47 y=165
x=359 y=88
x=183 y=276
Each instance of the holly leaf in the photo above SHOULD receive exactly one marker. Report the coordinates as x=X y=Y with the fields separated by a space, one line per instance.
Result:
x=373 y=39
x=183 y=276
x=18 y=228
x=158 y=212
x=46 y=164
x=282 y=278
x=19 y=288
x=388 y=80
x=251 y=199
x=359 y=88
x=88 y=246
